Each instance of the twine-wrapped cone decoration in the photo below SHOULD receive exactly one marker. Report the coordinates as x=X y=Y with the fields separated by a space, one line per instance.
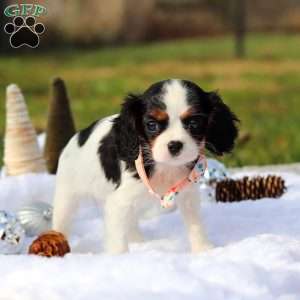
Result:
x=21 y=151
x=60 y=126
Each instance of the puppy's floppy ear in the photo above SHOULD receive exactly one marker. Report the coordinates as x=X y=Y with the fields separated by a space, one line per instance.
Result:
x=222 y=126
x=127 y=129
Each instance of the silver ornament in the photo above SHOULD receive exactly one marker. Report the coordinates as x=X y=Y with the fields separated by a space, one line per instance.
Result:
x=215 y=172
x=35 y=217
x=12 y=234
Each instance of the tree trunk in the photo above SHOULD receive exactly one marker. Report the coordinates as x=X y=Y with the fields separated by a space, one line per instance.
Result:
x=239 y=25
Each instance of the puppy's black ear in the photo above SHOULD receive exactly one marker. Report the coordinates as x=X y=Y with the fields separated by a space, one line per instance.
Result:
x=222 y=126
x=127 y=129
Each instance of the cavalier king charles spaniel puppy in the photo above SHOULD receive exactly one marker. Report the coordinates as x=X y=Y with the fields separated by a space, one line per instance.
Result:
x=166 y=125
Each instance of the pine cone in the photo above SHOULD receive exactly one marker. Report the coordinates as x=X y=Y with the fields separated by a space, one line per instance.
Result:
x=230 y=190
x=50 y=243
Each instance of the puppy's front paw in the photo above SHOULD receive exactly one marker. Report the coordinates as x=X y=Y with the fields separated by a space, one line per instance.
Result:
x=115 y=248
x=116 y=251
x=202 y=247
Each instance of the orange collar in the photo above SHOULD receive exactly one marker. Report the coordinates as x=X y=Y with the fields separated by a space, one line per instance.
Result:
x=168 y=199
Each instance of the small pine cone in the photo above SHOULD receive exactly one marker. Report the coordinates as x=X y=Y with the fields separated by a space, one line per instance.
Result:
x=50 y=243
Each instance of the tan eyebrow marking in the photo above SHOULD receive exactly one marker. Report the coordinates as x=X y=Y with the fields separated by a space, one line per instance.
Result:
x=159 y=115
x=187 y=113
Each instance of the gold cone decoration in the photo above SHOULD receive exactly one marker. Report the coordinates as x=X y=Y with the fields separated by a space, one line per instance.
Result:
x=60 y=127
x=21 y=151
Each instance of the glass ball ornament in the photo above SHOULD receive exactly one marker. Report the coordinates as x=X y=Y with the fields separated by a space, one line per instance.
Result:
x=215 y=172
x=12 y=234
x=35 y=217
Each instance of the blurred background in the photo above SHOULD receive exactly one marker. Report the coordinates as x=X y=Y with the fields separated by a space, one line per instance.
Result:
x=247 y=50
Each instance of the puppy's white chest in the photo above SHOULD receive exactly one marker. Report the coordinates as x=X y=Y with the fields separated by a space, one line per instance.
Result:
x=164 y=177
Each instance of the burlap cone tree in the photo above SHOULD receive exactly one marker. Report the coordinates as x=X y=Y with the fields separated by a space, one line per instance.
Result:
x=60 y=126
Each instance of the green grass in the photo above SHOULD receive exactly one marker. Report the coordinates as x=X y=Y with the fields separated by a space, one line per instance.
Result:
x=263 y=89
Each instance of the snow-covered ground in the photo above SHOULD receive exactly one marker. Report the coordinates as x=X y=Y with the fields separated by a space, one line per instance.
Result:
x=257 y=254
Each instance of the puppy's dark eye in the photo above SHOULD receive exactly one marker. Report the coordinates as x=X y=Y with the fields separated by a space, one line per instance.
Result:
x=193 y=124
x=152 y=126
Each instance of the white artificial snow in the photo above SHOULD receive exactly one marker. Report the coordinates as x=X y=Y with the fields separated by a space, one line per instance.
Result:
x=257 y=254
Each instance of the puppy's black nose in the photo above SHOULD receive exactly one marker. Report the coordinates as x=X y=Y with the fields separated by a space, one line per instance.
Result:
x=175 y=147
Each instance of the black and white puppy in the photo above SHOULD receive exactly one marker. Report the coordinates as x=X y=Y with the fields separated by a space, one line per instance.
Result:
x=168 y=122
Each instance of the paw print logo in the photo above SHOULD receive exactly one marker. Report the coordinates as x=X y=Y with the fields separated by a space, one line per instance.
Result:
x=24 y=32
